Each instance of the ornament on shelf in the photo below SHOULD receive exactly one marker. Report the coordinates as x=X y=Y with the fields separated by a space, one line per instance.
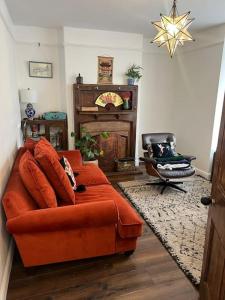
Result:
x=79 y=79
x=30 y=111
x=126 y=100
x=28 y=96
x=109 y=98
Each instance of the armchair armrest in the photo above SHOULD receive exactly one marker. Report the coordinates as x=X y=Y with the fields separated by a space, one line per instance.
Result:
x=189 y=157
x=94 y=214
x=74 y=157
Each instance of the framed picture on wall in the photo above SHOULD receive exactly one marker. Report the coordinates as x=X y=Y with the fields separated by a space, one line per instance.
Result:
x=105 y=70
x=40 y=69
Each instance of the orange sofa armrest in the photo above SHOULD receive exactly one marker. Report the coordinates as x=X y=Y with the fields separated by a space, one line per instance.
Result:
x=74 y=157
x=94 y=214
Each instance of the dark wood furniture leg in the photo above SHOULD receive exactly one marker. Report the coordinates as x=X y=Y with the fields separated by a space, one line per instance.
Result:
x=166 y=184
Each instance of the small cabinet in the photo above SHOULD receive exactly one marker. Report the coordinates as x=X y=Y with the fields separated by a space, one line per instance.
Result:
x=55 y=131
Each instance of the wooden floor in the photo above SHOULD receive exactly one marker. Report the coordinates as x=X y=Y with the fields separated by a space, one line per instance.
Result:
x=150 y=273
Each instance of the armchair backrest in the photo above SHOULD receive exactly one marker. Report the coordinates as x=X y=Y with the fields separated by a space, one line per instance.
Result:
x=150 y=138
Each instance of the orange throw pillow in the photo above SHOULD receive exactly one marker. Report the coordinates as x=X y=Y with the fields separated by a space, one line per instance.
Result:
x=55 y=173
x=30 y=145
x=35 y=182
x=45 y=144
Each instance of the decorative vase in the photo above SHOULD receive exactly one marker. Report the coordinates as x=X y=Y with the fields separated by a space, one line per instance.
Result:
x=30 y=111
x=131 y=81
x=87 y=162
x=126 y=104
x=79 y=79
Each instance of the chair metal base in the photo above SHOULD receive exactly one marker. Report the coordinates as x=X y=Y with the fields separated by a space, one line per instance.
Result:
x=166 y=184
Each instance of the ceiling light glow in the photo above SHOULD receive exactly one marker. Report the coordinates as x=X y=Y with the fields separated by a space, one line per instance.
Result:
x=173 y=30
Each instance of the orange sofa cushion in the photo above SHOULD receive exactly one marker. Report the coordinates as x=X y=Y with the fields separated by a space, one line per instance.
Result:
x=19 y=154
x=30 y=145
x=36 y=182
x=129 y=222
x=55 y=173
x=73 y=156
x=44 y=144
x=16 y=199
x=90 y=175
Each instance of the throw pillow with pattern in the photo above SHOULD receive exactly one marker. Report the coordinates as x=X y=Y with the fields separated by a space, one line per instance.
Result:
x=161 y=150
x=67 y=167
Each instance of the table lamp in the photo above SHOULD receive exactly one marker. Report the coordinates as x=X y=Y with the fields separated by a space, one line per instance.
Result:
x=28 y=96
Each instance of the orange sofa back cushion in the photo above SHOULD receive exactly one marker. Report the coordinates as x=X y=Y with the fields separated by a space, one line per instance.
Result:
x=36 y=182
x=55 y=173
x=90 y=174
x=45 y=144
x=30 y=145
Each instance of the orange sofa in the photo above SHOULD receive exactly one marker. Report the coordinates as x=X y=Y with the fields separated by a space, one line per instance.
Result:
x=101 y=222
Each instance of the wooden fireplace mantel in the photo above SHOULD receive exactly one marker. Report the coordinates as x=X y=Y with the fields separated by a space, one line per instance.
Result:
x=120 y=123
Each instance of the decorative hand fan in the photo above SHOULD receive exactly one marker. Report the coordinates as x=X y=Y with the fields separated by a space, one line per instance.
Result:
x=107 y=98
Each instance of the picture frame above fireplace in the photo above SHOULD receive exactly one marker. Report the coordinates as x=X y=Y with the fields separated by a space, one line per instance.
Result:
x=105 y=70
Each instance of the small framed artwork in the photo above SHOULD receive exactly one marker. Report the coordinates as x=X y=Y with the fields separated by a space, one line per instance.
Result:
x=105 y=70
x=40 y=69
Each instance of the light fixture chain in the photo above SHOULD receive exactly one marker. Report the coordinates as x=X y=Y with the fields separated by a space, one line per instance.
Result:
x=174 y=8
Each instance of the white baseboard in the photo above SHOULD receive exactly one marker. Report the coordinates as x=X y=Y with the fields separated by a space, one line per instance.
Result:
x=203 y=174
x=6 y=273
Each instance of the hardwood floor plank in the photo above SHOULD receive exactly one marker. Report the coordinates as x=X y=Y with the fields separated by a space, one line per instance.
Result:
x=176 y=290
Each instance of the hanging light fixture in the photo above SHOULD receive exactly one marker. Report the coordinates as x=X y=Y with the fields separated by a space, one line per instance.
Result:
x=173 y=30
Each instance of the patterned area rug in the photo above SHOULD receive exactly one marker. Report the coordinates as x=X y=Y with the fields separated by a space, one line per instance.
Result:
x=178 y=219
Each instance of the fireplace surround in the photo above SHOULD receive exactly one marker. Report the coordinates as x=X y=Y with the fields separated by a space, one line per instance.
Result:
x=118 y=121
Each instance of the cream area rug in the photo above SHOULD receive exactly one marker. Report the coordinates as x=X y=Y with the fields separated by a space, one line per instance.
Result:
x=178 y=219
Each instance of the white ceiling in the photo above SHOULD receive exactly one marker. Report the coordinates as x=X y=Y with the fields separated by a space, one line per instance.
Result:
x=116 y=15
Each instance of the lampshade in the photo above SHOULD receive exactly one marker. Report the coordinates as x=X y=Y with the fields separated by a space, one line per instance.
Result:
x=28 y=96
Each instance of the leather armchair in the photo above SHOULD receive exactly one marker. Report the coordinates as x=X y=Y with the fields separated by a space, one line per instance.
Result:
x=164 y=175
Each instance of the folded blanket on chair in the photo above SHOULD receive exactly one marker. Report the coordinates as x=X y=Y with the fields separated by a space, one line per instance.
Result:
x=173 y=166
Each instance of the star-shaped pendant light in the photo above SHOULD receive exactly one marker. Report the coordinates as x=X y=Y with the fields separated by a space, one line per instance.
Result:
x=173 y=30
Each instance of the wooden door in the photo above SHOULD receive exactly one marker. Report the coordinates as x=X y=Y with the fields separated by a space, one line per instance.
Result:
x=213 y=272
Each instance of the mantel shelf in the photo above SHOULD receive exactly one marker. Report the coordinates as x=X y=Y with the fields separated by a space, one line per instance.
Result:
x=106 y=112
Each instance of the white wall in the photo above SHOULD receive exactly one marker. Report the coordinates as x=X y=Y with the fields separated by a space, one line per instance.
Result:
x=196 y=87
x=171 y=92
x=181 y=94
x=74 y=50
x=219 y=105
x=9 y=132
x=82 y=48
x=156 y=111
x=39 y=44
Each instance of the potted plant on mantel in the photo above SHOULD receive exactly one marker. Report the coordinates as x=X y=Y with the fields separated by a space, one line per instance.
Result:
x=134 y=74
x=89 y=147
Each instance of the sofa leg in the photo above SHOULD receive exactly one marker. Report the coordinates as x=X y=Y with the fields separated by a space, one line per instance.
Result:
x=129 y=253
